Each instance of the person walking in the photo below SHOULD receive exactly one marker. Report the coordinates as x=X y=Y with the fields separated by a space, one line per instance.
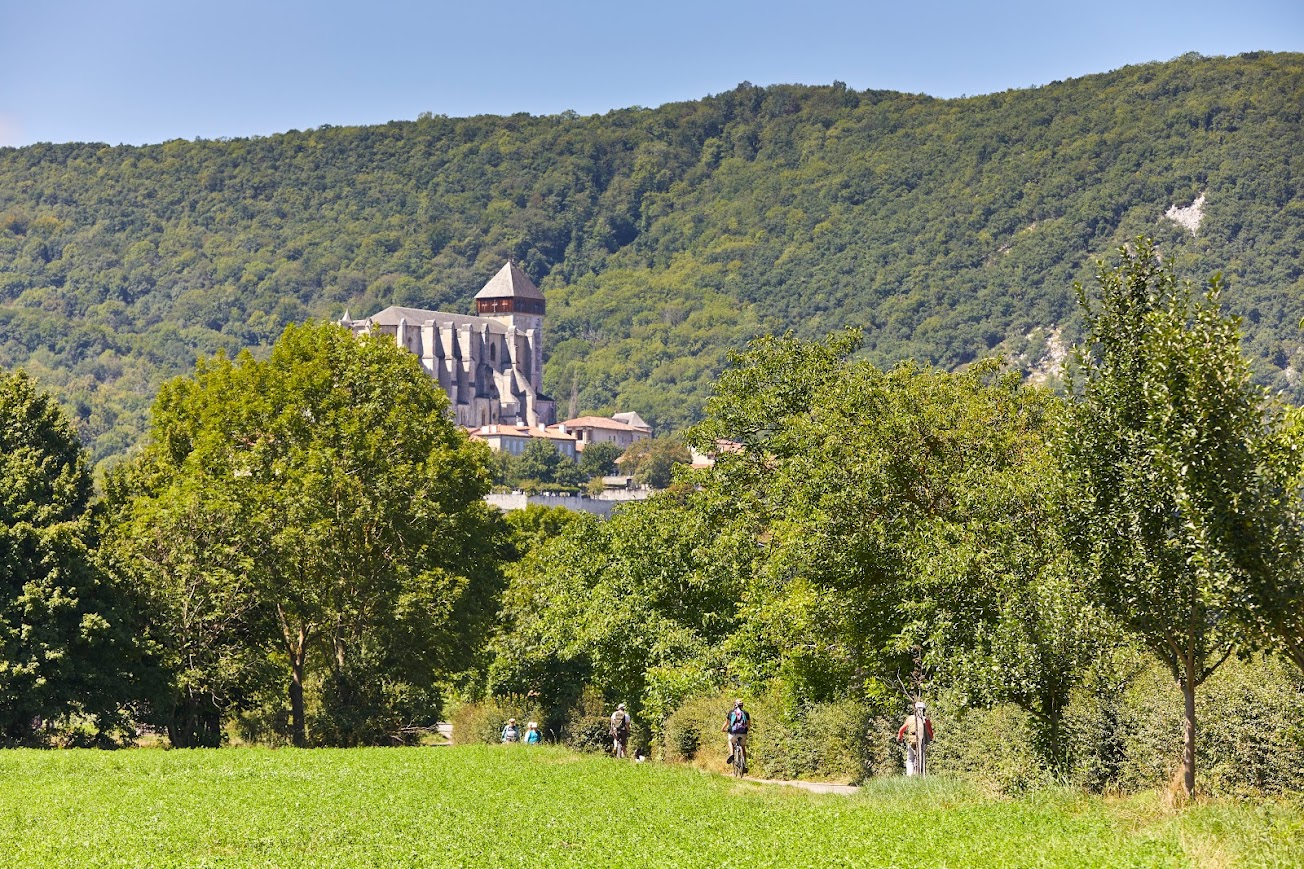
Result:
x=916 y=733
x=511 y=733
x=532 y=736
x=620 y=724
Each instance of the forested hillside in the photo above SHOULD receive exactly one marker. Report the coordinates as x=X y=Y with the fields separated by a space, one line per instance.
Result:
x=664 y=238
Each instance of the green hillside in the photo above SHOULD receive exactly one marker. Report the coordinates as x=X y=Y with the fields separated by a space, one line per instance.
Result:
x=949 y=229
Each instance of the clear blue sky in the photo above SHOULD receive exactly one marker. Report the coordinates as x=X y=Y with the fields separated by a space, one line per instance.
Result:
x=141 y=71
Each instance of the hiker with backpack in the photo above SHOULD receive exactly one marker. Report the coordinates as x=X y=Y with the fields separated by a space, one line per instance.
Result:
x=511 y=733
x=619 y=730
x=736 y=725
x=916 y=733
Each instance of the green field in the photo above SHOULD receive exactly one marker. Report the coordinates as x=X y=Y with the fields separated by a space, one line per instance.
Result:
x=516 y=806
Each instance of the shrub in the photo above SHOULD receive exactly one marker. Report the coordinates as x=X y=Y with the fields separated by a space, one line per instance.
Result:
x=993 y=747
x=482 y=721
x=841 y=740
x=588 y=724
x=1249 y=736
x=1127 y=736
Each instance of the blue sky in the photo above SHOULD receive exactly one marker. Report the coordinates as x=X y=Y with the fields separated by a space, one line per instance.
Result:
x=140 y=71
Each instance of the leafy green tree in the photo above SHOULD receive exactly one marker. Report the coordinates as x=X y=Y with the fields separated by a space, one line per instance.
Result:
x=354 y=510
x=1174 y=511
x=637 y=606
x=899 y=508
x=539 y=461
x=570 y=474
x=599 y=459
x=66 y=630
x=651 y=462
x=537 y=524
x=208 y=626
x=1275 y=617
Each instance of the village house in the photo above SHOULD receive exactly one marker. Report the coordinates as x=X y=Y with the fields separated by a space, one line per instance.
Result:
x=621 y=429
x=515 y=438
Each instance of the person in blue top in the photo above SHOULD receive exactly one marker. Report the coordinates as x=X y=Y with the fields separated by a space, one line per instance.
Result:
x=736 y=724
x=532 y=736
x=511 y=733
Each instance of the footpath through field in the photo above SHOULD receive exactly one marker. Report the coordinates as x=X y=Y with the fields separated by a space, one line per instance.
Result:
x=818 y=787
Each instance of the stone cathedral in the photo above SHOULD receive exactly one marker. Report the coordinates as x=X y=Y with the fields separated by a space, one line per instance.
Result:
x=491 y=365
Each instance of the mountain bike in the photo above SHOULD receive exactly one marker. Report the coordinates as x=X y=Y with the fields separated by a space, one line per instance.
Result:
x=738 y=761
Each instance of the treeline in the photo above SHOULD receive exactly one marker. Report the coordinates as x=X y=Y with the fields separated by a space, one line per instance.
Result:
x=665 y=238
x=1008 y=548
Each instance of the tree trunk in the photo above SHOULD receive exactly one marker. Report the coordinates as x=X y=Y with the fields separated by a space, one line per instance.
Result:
x=298 y=727
x=296 y=647
x=1056 y=749
x=1295 y=651
x=1188 y=742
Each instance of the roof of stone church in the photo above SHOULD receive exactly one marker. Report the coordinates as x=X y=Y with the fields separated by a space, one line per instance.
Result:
x=418 y=316
x=510 y=282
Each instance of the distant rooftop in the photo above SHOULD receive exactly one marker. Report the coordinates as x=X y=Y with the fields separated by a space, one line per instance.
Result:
x=552 y=433
x=510 y=282
x=601 y=422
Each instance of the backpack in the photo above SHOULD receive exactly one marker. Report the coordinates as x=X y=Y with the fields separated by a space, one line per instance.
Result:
x=619 y=724
x=739 y=721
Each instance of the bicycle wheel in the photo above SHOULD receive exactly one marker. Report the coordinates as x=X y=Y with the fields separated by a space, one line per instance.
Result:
x=739 y=760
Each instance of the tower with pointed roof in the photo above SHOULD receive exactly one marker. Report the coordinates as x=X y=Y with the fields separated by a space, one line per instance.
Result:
x=511 y=298
x=490 y=365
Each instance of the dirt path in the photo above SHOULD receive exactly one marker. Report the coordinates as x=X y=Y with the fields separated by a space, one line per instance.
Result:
x=814 y=786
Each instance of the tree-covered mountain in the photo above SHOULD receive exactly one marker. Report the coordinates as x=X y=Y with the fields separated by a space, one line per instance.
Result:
x=948 y=229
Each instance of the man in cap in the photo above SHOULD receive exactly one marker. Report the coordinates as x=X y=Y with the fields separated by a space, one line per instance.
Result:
x=619 y=730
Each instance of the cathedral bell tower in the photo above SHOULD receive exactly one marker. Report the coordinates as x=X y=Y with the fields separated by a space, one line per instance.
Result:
x=511 y=298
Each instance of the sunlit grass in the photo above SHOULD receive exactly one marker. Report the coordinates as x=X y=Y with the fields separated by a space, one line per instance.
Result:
x=513 y=806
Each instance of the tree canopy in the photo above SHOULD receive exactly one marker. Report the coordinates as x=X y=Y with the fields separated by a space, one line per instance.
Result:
x=66 y=630
x=664 y=237
x=330 y=515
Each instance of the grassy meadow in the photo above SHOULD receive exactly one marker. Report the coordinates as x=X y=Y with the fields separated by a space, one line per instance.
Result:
x=516 y=806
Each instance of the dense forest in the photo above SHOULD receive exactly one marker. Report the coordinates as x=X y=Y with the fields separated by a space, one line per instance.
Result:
x=664 y=237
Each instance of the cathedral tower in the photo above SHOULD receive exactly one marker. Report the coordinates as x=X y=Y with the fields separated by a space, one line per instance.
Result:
x=512 y=299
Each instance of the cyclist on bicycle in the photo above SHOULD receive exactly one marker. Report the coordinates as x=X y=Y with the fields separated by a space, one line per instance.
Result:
x=736 y=724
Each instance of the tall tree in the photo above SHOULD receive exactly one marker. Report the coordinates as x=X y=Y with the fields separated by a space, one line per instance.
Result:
x=66 y=637
x=350 y=508
x=652 y=461
x=899 y=507
x=207 y=625
x=1174 y=511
